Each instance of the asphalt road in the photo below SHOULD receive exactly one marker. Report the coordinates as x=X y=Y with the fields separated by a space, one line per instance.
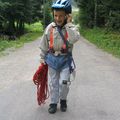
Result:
x=94 y=94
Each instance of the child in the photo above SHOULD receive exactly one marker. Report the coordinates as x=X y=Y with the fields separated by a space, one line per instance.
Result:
x=56 y=50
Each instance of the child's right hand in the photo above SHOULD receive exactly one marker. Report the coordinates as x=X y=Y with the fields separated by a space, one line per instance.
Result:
x=42 y=61
x=69 y=18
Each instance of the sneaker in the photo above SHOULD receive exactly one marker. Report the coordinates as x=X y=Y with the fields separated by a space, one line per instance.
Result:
x=52 y=109
x=63 y=105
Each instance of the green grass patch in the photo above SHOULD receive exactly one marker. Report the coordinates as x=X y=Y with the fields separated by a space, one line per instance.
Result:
x=36 y=27
x=108 y=41
x=33 y=32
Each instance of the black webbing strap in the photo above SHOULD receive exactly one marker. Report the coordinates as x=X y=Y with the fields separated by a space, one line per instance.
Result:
x=69 y=53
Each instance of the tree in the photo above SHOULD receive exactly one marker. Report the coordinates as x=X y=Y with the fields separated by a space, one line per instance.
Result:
x=15 y=13
x=47 y=14
x=113 y=14
x=100 y=13
x=37 y=13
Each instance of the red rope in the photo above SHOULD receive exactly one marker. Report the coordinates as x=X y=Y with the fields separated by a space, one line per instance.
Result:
x=40 y=79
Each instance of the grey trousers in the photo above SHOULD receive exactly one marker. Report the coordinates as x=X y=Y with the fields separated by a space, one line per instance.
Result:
x=58 y=90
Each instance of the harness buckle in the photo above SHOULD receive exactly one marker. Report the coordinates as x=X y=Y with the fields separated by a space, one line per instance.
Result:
x=57 y=53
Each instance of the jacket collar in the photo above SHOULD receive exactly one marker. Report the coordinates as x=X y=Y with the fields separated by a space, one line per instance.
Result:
x=54 y=25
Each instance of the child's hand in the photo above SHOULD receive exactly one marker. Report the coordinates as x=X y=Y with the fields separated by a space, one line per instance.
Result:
x=69 y=18
x=42 y=61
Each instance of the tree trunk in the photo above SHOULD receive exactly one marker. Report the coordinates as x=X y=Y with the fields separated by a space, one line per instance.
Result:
x=21 y=27
x=11 y=27
x=95 y=13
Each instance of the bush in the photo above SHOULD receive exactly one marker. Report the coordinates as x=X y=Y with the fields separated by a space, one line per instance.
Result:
x=35 y=27
x=33 y=32
x=109 y=41
x=76 y=17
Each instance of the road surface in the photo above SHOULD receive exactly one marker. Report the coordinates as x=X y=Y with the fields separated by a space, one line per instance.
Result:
x=94 y=94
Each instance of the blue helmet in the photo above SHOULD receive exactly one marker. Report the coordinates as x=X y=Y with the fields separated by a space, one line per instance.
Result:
x=63 y=4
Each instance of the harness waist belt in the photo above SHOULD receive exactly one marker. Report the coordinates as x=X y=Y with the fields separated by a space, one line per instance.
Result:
x=56 y=53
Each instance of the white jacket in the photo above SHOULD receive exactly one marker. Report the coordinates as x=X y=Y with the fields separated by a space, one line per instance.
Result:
x=73 y=36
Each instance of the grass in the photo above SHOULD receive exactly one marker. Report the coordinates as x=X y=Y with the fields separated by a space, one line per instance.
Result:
x=108 y=41
x=34 y=31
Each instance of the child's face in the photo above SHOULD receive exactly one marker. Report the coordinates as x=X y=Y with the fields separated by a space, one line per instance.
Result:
x=59 y=17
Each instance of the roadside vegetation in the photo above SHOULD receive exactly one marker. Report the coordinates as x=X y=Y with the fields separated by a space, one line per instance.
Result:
x=99 y=22
x=19 y=21
x=108 y=41
x=33 y=31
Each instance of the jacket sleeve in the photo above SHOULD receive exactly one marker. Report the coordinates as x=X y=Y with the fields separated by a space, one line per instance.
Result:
x=73 y=33
x=44 y=45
